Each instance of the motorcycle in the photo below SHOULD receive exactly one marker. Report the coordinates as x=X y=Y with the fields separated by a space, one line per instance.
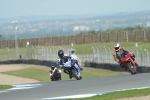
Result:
x=127 y=61
x=70 y=69
x=56 y=75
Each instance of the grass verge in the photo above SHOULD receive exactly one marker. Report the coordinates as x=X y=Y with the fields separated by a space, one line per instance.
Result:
x=119 y=95
x=3 y=87
x=43 y=74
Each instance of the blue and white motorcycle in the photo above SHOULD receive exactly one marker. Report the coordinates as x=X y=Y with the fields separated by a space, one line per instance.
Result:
x=71 y=68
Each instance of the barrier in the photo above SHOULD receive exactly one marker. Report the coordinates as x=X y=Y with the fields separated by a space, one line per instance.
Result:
x=35 y=62
x=115 y=67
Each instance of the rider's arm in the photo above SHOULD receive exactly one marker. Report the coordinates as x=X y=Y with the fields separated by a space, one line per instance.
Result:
x=59 y=61
x=115 y=57
x=59 y=70
x=50 y=72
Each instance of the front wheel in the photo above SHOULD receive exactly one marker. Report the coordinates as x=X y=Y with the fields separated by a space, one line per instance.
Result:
x=75 y=74
x=129 y=66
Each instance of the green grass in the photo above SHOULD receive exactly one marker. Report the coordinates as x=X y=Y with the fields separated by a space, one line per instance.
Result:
x=119 y=94
x=81 y=48
x=91 y=72
x=43 y=75
x=86 y=48
x=3 y=87
x=33 y=73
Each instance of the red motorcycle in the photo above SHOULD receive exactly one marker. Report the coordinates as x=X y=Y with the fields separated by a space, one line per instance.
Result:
x=127 y=61
x=56 y=74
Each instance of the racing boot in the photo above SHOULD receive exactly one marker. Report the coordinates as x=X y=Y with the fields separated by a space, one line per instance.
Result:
x=70 y=76
x=65 y=71
x=80 y=68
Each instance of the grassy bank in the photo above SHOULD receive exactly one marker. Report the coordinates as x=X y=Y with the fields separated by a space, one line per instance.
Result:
x=81 y=48
x=119 y=95
x=3 y=87
x=42 y=74
x=86 y=48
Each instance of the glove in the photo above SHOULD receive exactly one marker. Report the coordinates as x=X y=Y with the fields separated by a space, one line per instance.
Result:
x=113 y=54
x=58 y=60
x=117 y=60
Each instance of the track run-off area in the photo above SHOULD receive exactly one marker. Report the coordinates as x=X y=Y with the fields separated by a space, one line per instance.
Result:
x=75 y=88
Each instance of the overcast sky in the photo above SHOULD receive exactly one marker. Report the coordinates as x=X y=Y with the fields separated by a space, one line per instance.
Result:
x=17 y=8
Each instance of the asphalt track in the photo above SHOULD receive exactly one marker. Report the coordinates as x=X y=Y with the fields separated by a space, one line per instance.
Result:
x=43 y=91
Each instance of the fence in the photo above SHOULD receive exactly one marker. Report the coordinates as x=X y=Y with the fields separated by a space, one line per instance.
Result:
x=104 y=55
x=80 y=39
x=100 y=54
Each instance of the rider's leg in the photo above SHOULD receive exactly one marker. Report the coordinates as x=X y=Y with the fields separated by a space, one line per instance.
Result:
x=121 y=65
x=64 y=71
x=68 y=72
x=133 y=58
x=51 y=78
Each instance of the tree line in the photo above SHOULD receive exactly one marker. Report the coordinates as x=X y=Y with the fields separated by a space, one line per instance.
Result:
x=116 y=30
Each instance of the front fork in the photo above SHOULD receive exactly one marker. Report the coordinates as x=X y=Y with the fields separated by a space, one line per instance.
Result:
x=77 y=68
x=133 y=64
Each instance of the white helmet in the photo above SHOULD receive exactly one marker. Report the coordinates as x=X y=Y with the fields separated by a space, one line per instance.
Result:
x=117 y=47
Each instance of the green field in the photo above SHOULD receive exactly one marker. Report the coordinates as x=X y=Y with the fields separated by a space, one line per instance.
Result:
x=43 y=75
x=86 y=48
x=119 y=94
x=81 y=48
x=3 y=87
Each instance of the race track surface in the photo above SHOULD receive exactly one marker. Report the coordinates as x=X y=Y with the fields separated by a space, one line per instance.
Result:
x=74 y=87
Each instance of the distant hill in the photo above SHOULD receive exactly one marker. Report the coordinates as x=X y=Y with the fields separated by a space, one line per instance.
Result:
x=50 y=26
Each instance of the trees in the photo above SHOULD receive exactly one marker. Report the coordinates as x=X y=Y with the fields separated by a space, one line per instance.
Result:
x=115 y=30
x=0 y=36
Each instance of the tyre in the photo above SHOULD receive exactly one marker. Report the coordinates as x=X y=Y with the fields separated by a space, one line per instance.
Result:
x=75 y=74
x=129 y=66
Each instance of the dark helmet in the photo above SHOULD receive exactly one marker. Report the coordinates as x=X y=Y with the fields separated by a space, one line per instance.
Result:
x=72 y=52
x=60 y=53
x=53 y=66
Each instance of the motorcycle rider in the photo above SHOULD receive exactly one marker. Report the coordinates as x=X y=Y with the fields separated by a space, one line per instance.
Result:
x=52 y=70
x=74 y=57
x=61 y=62
x=118 y=48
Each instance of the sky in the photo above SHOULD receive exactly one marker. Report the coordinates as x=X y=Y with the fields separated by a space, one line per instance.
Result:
x=18 y=8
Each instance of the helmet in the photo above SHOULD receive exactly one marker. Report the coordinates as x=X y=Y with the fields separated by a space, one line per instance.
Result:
x=72 y=52
x=117 y=47
x=60 y=53
x=53 y=66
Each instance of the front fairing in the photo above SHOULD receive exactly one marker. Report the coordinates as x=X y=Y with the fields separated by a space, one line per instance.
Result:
x=125 y=58
x=67 y=62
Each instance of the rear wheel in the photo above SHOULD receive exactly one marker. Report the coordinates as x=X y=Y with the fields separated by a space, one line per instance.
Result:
x=129 y=66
